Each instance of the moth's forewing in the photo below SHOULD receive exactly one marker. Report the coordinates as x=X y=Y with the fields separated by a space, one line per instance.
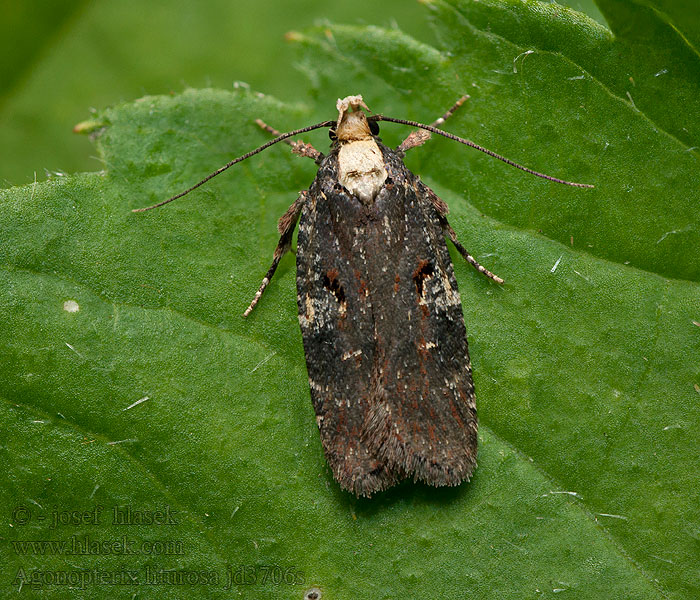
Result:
x=384 y=336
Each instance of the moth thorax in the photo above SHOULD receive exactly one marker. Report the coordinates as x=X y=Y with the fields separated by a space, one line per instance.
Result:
x=361 y=169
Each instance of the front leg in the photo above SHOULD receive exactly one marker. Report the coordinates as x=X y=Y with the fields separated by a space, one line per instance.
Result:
x=298 y=147
x=285 y=226
x=420 y=136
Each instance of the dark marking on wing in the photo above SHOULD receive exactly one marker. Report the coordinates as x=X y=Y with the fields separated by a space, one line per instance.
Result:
x=424 y=270
x=330 y=282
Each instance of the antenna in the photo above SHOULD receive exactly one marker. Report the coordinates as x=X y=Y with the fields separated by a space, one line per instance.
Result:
x=466 y=142
x=279 y=138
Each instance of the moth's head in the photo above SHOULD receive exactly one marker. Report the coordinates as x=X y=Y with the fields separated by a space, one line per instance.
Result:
x=352 y=124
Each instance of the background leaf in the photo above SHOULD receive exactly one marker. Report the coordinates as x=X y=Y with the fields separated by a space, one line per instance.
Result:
x=585 y=366
x=62 y=58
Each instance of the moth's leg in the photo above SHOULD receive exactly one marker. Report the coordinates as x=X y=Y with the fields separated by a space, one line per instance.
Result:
x=437 y=202
x=450 y=112
x=298 y=147
x=420 y=136
x=441 y=208
x=462 y=250
x=285 y=226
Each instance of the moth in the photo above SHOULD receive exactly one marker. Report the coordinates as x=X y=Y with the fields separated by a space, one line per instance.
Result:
x=379 y=308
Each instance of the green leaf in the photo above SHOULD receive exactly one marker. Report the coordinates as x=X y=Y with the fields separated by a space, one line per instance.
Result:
x=77 y=55
x=585 y=361
x=27 y=28
x=62 y=57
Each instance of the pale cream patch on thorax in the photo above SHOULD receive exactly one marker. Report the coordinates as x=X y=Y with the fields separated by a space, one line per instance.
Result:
x=361 y=168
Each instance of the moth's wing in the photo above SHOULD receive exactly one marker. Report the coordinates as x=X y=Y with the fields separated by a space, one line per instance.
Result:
x=422 y=419
x=338 y=330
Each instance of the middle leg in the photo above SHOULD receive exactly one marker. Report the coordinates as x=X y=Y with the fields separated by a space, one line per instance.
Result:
x=285 y=226
x=447 y=228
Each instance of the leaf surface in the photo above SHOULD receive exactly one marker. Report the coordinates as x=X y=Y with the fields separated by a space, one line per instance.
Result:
x=585 y=361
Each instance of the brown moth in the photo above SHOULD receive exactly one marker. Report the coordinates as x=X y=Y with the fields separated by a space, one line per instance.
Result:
x=379 y=309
